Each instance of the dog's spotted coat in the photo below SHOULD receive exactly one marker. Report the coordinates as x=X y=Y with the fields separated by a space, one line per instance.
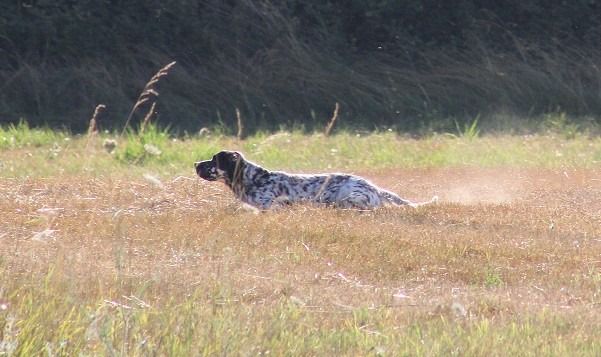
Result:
x=264 y=189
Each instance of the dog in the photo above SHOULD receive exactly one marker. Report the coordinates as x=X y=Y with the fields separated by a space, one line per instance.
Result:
x=266 y=189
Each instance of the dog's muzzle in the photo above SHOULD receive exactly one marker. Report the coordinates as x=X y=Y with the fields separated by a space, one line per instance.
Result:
x=206 y=170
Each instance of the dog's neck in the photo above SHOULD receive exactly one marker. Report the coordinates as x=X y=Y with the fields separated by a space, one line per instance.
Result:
x=252 y=173
x=245 y=176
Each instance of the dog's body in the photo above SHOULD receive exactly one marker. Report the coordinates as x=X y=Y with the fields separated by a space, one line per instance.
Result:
x=264 y=189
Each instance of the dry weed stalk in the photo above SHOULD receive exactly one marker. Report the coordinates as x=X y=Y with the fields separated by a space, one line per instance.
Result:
x=148 y=93
x=147 y=118
x=93 y=130
x=332 y=121
x=240 y=134
x=92 y=127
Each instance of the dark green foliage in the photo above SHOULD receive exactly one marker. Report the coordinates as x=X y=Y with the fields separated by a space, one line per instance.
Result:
x=400 y=63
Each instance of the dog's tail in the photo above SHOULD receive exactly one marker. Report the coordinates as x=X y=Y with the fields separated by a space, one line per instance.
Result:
x=396 y=200
x=434 y=199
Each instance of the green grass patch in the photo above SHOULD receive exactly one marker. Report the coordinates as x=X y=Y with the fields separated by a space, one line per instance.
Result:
x=21 y=135
x=144 y=145
x=43 y=152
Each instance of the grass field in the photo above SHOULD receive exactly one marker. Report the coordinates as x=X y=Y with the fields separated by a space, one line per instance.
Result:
x=128 y=253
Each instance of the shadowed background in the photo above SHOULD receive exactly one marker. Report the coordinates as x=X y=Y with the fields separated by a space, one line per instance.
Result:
x=412 y=65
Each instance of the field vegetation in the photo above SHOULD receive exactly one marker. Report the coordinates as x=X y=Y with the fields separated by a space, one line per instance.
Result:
x=116 y=248
x=110 y=245
x=403 y=64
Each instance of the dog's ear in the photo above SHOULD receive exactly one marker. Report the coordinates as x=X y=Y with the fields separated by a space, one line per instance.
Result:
x=227 y=158
x=231 y=162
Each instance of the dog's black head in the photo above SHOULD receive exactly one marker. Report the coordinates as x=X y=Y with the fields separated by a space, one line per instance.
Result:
x=225 y=165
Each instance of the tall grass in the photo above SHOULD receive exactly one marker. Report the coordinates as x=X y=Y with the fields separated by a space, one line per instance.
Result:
x=468 y=131
x=254 y=57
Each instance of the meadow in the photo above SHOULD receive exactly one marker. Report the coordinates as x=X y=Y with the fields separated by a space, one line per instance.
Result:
x=123 y=251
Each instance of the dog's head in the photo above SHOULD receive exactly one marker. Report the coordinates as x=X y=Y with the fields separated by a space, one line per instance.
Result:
x=225 y=165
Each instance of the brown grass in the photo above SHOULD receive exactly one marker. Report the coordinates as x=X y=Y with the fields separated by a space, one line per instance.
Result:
x=148 y=93
x=100 y=257
x=240 y=125
x=147 y=118
x=332 y=122
x=506 y=247
x=93 y=126
x=496 y=247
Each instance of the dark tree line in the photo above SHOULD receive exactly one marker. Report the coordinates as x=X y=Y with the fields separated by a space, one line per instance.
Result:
x=403 y=63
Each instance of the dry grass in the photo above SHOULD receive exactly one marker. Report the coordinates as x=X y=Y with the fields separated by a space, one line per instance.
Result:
x=330 y=126
x=508 y=262
x=149 y=93
x=240 y=125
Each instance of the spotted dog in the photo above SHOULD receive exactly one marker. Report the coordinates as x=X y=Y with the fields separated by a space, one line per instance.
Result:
x=264 y=189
